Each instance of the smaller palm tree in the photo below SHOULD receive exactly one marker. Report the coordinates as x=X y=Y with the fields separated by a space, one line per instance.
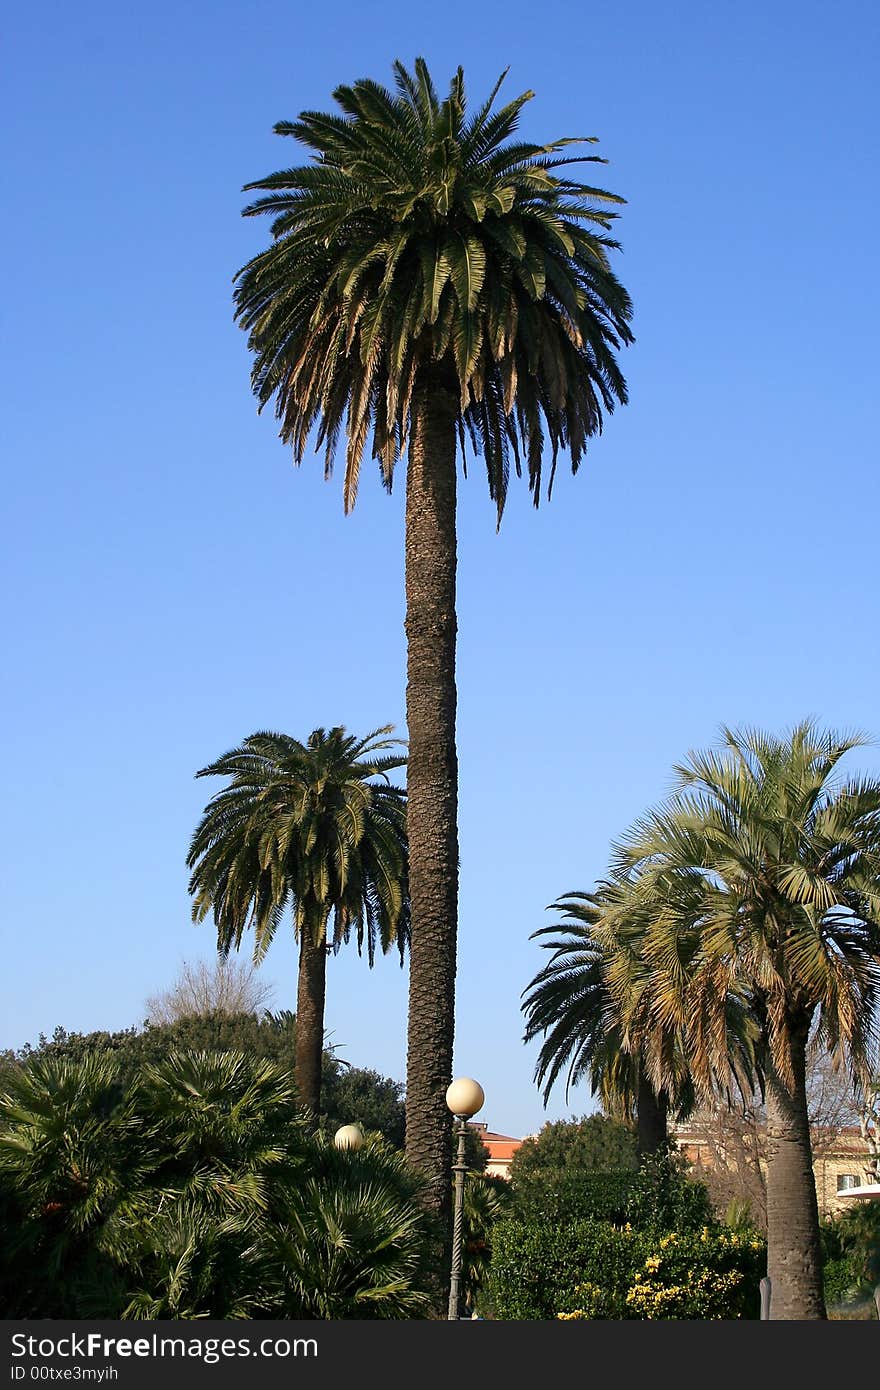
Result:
x=764 y=871
x=319 y=829
x=486 y=1200
x=233 y=1149
x=584 y=1002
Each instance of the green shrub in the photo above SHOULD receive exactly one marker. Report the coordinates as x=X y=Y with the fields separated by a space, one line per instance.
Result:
x=710 y=1275
x=592 y=1269
x=664 y=1198
x=851 y=1252
x=660 y=1196
x=196 y=1190
x=536 y=1267
x=571 y=1194
x=840 y=1280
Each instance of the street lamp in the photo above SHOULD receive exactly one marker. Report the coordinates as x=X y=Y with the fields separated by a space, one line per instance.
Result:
x=349 y=1137
x=464 y=1098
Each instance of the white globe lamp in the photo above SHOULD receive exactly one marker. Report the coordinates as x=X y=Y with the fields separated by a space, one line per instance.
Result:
x=349 y=1137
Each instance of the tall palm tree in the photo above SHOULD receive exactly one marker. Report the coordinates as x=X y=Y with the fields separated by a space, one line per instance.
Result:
x=430 y=278
x=784 y=858
x=316 y=827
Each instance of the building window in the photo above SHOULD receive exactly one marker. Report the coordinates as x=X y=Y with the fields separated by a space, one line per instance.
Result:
x=847 y=1180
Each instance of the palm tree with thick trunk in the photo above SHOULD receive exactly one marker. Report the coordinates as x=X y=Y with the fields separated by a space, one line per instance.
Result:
x=781 y=858
x=316 y=828
x=431 y=280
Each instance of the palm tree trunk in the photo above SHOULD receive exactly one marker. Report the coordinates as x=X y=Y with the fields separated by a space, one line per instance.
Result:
x=652 y=1130
x=432 y=782
x=310 y=991
x=794 y=1259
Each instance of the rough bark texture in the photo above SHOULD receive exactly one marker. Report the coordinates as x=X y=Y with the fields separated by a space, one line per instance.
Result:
x=651 y=1115
x=432 y=784
x=310 y=990
x=794 y=1258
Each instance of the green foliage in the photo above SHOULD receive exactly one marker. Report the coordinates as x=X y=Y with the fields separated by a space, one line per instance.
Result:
x=587 y=1168
x=574 y=1168
x=486 y=1200
x=659 y=1196
x=592 y=1143
x=574 y=1193
x=349 y=1093
x=536 y=1266
x=593 y=1269
x=851 y=1252
x=356 y=1243
x=182 y=1193
x=75 y=1159
x=421 y=245
x=840 y=1280
x=665 y=1198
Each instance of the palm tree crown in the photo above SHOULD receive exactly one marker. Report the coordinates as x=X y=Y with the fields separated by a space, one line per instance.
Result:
x=421 y=242
x=782 y=862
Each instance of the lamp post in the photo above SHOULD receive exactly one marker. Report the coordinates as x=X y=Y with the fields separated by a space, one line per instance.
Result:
x=464 y=1098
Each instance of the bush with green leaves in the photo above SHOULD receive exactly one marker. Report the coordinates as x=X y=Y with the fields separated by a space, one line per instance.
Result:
x=537 y=1267
x=594 y=1143
x=571 y=1195
x=713 y=1274
x=665 y=1197
x=349 y=1093
x=851 y=1253
x=594 y=1270
x=574 y=1168
x=196 y=1190
x=660 y=1194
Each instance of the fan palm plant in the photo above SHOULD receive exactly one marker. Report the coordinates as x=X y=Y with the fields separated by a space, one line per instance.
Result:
x=317 y=828
x=75 y=1158
x=230 y=1134
x=781 y=858
x=431 y=278
x=199 y=1264
x=233 y=1152
x=356 y=1241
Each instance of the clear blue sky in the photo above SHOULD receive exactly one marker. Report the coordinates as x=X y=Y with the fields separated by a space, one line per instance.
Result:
x=172 y=584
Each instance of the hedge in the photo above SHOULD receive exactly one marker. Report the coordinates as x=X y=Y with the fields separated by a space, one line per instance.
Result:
x=593 y=1269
